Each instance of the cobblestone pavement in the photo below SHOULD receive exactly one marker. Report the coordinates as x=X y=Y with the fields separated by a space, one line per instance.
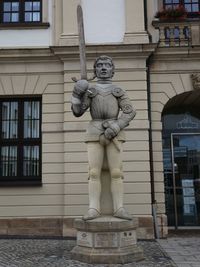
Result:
x=56 y=253
x=184 y=251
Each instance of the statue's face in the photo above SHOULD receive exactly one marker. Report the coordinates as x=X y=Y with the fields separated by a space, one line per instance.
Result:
x=104 y=69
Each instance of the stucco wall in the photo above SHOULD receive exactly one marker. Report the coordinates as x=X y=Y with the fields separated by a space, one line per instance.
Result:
x=64 y=190
x=13 y=37
x=45 y=79
x=122 y=22
x=169 y=78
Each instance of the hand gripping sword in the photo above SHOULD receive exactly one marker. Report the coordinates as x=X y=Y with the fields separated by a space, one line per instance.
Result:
x=81 y=35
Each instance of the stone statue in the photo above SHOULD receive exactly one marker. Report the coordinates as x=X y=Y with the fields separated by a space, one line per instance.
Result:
x=196 y=80
x=105 y=133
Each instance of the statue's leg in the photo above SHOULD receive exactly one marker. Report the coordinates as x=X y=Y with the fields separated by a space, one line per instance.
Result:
x=117 y=188
x=95 y=160
x=115 y=167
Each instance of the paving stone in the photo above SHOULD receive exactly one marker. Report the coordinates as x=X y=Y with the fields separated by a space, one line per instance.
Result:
x=184 y=250
x=56 y=253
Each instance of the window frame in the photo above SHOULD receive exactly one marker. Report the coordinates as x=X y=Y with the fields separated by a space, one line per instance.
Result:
x=22 y=24
x=21 y=142
x=182 y=2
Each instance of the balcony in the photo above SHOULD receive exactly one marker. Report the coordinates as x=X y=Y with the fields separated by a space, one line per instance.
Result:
x=178 y=33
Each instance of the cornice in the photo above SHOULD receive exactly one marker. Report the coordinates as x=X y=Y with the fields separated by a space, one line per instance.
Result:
x=177 y=53
x=63 y=53
x=25 y=54
x=142 y=51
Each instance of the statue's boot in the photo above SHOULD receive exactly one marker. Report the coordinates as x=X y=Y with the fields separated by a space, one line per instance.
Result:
x=91 y=214
x=123 y=214
x=94 y=200
x=117 y=194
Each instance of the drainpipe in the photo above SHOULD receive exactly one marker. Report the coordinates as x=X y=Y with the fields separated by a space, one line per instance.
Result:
x=145 y=15
x=148 y=64
x=146 y=20
x=153 y=200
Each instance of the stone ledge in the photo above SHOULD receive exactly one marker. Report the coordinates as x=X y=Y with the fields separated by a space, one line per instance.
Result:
x=107 y=223
x=65 y=227
x=31 y=227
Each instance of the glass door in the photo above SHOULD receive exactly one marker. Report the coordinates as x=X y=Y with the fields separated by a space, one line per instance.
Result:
x=182 y=180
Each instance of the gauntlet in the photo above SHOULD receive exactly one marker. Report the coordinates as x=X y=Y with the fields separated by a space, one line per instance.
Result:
x=111 y=129
x=80 y=88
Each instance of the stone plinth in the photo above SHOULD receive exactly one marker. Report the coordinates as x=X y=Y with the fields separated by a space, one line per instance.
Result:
x=107 y=240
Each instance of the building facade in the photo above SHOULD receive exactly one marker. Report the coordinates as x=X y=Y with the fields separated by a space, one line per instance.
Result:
x=43 y=168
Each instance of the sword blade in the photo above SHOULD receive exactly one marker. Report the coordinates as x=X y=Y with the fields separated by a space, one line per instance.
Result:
x=83 y=67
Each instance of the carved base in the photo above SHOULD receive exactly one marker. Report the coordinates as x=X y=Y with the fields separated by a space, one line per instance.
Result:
x=107 y=240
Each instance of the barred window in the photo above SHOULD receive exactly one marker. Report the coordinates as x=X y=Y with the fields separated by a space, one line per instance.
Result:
x=21 y=11
x=20 y=141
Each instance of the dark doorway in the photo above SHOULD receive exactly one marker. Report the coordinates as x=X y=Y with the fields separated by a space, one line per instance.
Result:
x=181 y=157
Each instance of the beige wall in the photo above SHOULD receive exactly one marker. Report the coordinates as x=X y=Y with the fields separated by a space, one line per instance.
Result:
x=64 y=192
x=135 y=28
x=46 y=79
x=65 y=24
x=64 y=158
x=169 y=78
x=152 y=8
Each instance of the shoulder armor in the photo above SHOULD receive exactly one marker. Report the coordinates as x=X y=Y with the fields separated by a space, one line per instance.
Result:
x=118 y=92
x=92 y=91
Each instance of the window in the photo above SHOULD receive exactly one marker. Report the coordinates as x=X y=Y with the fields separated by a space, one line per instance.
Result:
x=192 y=6
x=171 y=3
x=20 y=141
x=21 y=11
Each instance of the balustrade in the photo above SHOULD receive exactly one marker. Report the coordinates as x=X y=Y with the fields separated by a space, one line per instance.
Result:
x=177 y=33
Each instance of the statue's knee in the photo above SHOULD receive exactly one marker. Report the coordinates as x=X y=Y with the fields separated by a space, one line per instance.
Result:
x=116 y=173
x=94 y=174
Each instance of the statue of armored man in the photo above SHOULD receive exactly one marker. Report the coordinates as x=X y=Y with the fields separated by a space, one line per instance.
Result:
x=111 y=111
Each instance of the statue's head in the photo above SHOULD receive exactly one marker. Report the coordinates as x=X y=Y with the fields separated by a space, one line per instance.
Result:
x=104 y=68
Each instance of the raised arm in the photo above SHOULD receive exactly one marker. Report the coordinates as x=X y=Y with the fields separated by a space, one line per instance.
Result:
x=80 y=100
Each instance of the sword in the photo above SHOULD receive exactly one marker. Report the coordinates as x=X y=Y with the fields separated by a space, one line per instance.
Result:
x=81 y=35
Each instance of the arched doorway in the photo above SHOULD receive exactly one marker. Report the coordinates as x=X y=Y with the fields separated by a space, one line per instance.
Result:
x=181 y=158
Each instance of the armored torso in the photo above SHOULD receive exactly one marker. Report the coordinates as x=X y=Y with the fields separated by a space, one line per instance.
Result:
x=105 y=100
x=104 y=105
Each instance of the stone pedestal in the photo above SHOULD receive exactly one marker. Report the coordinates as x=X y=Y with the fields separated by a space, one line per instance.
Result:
x=107 y=240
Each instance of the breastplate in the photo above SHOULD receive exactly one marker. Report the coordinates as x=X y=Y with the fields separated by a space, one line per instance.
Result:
x=104 y=104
